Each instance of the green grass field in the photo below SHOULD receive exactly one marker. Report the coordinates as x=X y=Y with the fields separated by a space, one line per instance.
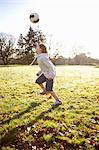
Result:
x=27 y=120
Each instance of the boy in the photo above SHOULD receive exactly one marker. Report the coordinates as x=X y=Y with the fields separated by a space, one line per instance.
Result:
x=47 y=73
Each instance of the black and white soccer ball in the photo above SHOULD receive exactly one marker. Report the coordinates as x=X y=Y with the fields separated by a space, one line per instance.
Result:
x=34 y=18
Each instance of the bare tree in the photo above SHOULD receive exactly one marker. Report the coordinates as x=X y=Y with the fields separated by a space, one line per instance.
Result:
x=6 y=47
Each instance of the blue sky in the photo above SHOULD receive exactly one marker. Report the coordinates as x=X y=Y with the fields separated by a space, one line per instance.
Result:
x=73 y=24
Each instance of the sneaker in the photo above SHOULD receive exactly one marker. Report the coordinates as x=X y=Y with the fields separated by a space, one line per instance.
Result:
x=57 y=103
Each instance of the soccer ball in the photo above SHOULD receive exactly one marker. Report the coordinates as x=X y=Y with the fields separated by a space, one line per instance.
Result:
x=34 y=17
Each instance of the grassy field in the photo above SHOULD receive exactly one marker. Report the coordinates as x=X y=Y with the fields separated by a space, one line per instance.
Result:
x=27 y=120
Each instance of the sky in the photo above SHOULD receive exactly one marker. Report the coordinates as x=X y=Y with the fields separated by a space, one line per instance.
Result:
x=69 y=24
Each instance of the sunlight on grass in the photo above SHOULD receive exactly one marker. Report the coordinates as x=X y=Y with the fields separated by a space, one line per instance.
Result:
x=26 y=115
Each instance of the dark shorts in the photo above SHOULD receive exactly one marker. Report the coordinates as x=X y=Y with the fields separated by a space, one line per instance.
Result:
x=49 y=83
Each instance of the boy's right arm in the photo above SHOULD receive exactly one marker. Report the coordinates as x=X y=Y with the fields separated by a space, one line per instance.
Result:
x=33 y=61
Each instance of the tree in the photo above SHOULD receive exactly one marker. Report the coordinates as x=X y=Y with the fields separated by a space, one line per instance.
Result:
x=6 y=47
x=81 y=59
x=28 y=43
x=21 y=46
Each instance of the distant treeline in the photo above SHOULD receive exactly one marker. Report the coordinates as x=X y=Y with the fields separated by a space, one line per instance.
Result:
x=80 y=59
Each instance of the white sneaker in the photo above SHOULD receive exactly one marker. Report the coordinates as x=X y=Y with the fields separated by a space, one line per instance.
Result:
x=57 y=103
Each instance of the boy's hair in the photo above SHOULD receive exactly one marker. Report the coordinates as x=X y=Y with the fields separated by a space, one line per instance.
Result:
x=43 y=47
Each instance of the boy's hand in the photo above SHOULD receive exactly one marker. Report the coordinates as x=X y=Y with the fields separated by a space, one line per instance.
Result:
x=37 y=74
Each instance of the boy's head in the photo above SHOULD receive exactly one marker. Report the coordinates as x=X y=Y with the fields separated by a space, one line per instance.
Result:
x=41 y=48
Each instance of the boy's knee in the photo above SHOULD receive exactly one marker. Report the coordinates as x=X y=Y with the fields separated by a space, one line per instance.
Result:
x=49 y=92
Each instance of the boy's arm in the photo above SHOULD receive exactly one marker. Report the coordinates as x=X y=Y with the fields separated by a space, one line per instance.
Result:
x=33 y=61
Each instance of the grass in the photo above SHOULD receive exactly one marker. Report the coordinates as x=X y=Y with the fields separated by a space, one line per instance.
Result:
x=27 y=120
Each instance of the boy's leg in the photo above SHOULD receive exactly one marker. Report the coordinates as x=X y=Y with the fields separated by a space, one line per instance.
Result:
x=42 y=86
x=57 y=100
x=49 y=89
x=53 y=94
x=40 y=80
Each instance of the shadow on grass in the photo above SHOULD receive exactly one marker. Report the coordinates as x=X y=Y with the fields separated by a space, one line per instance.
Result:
x=11 y=137
x=32 y=106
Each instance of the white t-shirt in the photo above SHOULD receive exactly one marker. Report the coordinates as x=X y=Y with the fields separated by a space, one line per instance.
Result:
x=46 y=66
